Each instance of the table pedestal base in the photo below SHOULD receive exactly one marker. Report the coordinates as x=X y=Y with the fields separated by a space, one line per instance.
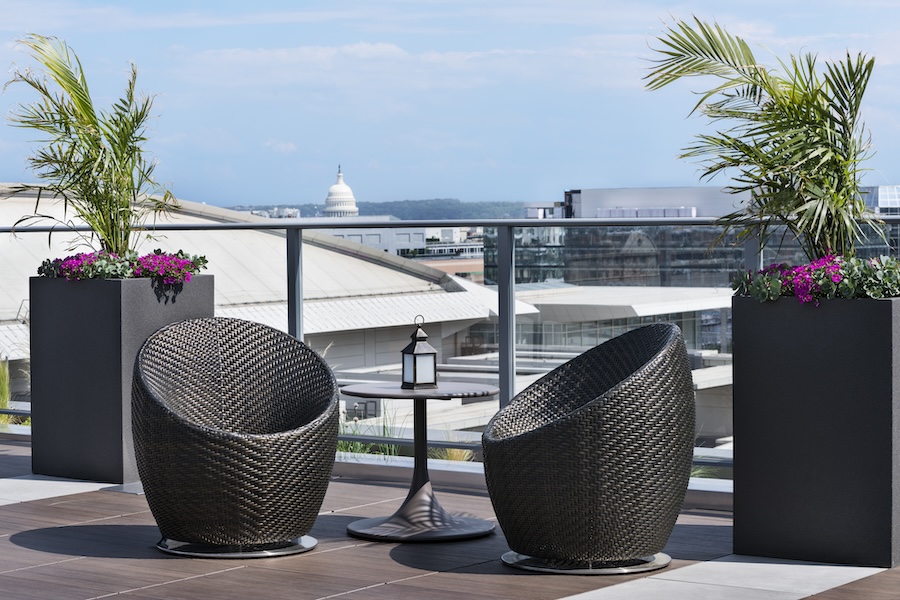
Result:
x=421 y=518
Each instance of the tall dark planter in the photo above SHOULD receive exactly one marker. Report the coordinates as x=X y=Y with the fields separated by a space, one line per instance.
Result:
x=85 y=336
x=817 y=430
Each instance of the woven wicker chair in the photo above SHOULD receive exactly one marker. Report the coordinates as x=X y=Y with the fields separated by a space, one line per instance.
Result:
x=587 y=468
x=235 y=431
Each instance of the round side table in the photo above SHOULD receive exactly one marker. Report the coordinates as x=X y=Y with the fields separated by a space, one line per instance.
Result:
x=420 y=518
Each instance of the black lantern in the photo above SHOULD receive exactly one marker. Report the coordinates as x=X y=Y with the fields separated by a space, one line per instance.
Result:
x=419 y=361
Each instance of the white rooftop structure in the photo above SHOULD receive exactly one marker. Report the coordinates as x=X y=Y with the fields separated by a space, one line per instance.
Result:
x=566 y=303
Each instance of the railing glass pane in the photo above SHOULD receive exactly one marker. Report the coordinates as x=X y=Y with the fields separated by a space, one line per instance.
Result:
x=572 y=284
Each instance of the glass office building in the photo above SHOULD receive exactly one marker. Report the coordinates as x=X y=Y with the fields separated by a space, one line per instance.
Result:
x=670 y=256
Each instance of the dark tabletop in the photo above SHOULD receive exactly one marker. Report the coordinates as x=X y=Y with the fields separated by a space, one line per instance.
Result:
x=444 y=391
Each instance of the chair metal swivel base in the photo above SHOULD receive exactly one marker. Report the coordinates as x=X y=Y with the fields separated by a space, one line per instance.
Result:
x=295 y=546
x=573 y=567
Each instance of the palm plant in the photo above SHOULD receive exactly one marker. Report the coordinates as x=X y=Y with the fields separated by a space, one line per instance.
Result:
x=794 y=141
x=92 y=159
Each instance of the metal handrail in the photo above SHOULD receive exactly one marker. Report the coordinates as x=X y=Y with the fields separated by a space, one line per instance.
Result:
x=16 y=412
x=350 y=223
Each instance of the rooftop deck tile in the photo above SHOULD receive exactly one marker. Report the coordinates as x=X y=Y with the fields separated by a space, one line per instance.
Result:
x=100 y=544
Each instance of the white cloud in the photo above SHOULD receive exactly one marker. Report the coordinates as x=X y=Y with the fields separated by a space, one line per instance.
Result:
x=72 y=15
x=326 y=66
x=373 y=68
x=280 y=147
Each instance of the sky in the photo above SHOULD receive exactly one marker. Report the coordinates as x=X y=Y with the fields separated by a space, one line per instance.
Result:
x=488 y=101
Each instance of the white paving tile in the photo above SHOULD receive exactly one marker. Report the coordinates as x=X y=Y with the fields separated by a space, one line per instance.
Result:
x=35 y=487
x=772 y=574
x=650 y=588
x=736 y=578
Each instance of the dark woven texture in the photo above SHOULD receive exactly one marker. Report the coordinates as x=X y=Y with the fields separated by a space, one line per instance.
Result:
x=590 y=464
x=235 y=431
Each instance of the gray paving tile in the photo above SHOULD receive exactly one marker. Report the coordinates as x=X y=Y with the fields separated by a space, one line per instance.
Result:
x=771 y=574
x=34 y=487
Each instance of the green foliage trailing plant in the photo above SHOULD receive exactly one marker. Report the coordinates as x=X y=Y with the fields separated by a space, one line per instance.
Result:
x=93 y=159
x=791 y=138
x=824 y=278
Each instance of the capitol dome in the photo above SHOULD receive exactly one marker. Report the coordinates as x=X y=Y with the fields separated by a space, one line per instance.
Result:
x=340 y=201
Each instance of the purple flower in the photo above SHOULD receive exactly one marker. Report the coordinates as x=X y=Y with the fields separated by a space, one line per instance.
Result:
x=805 y=281
x=165 y=268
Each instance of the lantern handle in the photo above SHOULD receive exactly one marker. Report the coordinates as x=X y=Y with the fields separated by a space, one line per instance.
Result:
x=417 y=322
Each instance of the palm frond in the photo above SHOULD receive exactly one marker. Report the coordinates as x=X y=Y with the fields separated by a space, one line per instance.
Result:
x=93 y=160
x=793 y=141
x=704 y=50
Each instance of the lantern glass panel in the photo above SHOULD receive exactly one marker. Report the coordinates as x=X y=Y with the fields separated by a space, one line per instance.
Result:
x=425 y=368
x=408 y=371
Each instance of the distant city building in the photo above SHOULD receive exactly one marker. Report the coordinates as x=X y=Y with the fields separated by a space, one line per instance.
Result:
x=340 y=201
x=402 y=241
x=278 y=212
x=884 y=200
x=413 y=242
x=543 y=210
x=632 y=255
x=672 y=255
x=715 y=202
x=699 y=201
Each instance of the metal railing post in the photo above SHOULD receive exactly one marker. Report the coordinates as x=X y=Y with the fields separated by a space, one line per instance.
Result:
x=753 y=253
x=506 y=270
x=295 y=281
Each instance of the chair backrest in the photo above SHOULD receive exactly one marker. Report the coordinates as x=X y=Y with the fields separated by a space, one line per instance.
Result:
x=585 y=378
x=234 y=375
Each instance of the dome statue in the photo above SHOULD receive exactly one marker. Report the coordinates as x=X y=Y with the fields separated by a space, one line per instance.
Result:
x=340 y=201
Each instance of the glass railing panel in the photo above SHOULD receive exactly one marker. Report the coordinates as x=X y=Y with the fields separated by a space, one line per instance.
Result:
x=619 y=278
x=619 y=267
